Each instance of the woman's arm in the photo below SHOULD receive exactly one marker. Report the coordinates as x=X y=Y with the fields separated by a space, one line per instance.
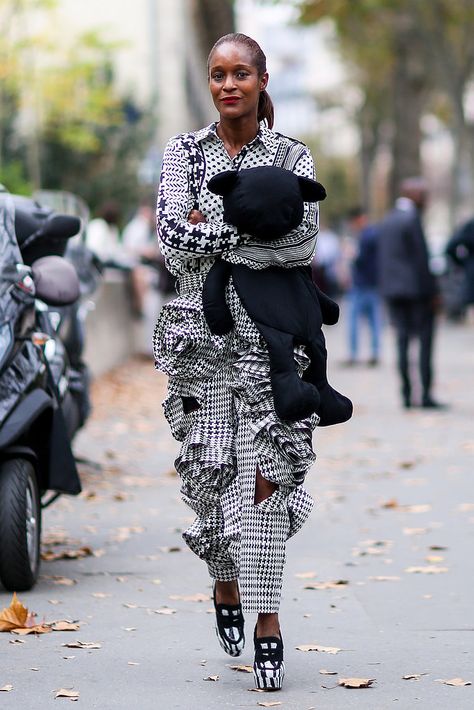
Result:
x=294 y=249
x=176 y=235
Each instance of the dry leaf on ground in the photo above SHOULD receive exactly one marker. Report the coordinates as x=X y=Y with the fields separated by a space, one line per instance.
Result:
x=327 y=585
x=67 y=693
x=13 y=617
x=458 y=682
x=431 y=569
x=36 y=629
x=413 y=676
x=242 y=669
x=305 y=575
x=190 y=597
x=384 y=578
x=269 y=703
x=100 y=595
x=214 y=678
x=64 y=626
x=164 y=612
x=64 y=581
x=83 y=644
x=356 y=682
x=415 y=531
x=323 y=671
x=50 y=556
x=6 y=688
x=320 y=649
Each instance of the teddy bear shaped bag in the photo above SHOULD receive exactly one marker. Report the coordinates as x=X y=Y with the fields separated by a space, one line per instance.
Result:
x=285 y=305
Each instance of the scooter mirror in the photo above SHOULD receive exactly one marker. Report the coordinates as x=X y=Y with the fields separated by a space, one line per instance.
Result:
x=56 y=281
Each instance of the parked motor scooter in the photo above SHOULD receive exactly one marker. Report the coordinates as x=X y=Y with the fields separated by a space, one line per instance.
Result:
x=40 y=410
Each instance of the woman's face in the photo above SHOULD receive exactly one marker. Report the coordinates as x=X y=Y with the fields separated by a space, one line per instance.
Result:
x=234 y=81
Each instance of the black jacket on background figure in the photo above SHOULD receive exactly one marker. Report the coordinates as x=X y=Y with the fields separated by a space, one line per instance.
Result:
x=461 y=250
x=408 y=286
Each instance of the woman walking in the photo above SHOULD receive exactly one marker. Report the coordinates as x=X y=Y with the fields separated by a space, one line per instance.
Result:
x=241 y=467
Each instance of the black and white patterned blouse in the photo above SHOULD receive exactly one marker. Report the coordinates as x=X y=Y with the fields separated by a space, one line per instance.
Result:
x=190 y=161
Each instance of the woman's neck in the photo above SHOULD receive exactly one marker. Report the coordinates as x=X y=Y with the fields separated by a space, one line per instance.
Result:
x=235 y=134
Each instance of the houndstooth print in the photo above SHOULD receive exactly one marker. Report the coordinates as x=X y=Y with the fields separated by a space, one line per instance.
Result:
x=235 y=428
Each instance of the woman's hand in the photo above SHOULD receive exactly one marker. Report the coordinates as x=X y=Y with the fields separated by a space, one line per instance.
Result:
x=195 y=217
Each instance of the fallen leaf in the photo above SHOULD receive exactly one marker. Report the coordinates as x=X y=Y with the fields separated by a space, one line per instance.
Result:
x=242 y=669
x=327 y=585
x=320 y=649
x=392 y=503
x=323 y=671
x=54 y=601
x=212 y=677
x=83 y=644
x=384 y=578
x=100 y=595
x=36 y=629
x=49 y=555
x=413 y=676
x=420 y=508
x=156 y=581
x=465 y=507
x=165 y=611
x=431 y=569
x=13 y=617
x=190 y=597
x=269 y=703
x=438 y=547
x=454 y=681
x=433 y=559
x=64 y=581
x=356 y=682
x=130 y=606
x=129 y=628
x=132 y=663
x=65 y=626
x=34 y=669
x=305 y=575
x=6 y=688
x=415 y=531
x=66 y=693
x=16 y=641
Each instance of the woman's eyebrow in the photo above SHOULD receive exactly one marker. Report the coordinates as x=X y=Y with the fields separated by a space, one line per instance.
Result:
x=219 y=67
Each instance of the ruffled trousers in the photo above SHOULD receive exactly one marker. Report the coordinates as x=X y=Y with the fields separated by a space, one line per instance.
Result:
x=233 y=431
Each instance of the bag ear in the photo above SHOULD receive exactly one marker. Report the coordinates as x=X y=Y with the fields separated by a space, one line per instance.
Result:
x=311 y=191
x=222 y=183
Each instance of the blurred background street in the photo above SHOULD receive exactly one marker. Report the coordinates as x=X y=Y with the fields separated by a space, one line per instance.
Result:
x=380 y=580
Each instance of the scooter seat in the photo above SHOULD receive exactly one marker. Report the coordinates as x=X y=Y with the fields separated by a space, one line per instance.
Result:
x=56 y=281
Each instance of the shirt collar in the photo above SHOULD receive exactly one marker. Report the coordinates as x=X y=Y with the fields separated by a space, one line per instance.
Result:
x=265 y=136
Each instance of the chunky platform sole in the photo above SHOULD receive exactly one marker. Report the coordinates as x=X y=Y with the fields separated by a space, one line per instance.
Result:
x=269 y=678
x=233 y=648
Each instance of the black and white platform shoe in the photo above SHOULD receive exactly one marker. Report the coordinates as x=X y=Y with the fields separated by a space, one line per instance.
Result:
x=268 y=668
x=230 y=627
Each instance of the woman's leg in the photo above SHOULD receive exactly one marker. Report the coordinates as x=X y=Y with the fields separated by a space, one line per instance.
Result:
x=264 y=531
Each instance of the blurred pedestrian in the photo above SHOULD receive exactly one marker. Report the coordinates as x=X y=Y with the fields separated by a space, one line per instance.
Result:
x=460 y=249
x=364 y=298
x=409 y=287
x=326 y=262
x=139 y=243
x=103 y=235
x=234 y=464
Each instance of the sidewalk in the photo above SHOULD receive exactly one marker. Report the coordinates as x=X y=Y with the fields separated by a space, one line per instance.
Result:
x=394 y=495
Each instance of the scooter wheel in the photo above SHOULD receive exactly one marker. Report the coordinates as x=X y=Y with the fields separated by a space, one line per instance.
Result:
x=20 y=525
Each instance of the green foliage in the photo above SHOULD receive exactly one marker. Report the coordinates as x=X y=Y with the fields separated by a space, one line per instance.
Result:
x=12 y=176
x=81 y=134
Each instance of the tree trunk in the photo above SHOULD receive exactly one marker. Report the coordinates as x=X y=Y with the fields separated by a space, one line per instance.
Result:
x=408 y=81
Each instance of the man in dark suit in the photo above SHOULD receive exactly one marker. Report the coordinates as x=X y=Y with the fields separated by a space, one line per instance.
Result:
x=408 y=285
